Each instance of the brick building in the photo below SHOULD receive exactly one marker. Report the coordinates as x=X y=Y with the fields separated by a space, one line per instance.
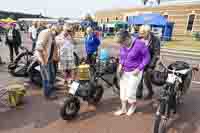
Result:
x=186 y=16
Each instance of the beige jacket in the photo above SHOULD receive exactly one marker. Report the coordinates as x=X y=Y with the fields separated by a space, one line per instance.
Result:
x=43 y=45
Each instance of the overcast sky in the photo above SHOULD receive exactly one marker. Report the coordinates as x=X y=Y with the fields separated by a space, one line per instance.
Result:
x=68 y=8
x=65 y=8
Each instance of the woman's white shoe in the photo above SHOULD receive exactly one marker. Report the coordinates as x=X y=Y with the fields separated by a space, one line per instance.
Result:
x=120 y=112
x=131 y=110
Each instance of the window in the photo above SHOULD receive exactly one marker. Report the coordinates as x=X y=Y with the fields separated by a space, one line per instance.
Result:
x=126 y=18
x=107 y=20
x=190 y=22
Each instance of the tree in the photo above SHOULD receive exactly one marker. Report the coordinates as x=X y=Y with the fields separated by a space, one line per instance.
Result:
x=12 y=17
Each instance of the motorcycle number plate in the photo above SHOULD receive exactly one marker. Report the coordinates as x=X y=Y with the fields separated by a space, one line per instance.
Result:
x=73 y=88
x=171 y=78
x=37 y=68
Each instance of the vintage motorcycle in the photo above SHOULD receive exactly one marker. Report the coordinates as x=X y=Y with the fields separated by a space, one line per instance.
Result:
x=176 y=79
x=89 y=87
x=34 y=70
x=20 y=65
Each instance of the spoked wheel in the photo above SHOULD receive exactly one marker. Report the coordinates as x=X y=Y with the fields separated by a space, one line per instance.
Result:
x=163 y=126
x=70 y=108
x=20 y=65
x=23 y=58
x=160 y=124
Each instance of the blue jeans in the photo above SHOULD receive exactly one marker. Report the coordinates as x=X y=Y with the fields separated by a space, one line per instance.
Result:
x=48 y=78
x=33 y=44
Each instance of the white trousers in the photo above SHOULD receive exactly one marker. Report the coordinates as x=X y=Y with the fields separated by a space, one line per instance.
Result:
x=128 y=86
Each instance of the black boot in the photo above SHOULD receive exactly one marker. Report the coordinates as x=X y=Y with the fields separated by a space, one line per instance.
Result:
x=139 y=93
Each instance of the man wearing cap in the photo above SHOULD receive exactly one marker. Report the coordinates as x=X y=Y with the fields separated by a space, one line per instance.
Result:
x=47 y=53
x=153 y=44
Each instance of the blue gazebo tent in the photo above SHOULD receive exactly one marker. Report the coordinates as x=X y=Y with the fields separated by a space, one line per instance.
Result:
x=150 y=19
x=155 y=20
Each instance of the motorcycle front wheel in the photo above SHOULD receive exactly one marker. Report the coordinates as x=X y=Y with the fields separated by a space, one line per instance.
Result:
x=70 y=108
x=160 y=124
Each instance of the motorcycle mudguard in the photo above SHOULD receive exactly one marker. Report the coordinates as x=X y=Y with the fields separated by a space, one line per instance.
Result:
x=20 y=71
x=12 y=66
x=33 y=64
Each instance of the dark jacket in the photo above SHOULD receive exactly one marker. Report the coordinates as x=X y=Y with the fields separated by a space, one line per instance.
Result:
x=16 y=38
x=154 y=49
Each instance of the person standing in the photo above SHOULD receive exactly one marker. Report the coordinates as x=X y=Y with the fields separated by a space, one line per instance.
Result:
x=153 y=44
x=134 y=56
x=33 y=34
x=66 y=47
x=13 y=40
x=41 y=26
x=46 y=52
x=92 y=43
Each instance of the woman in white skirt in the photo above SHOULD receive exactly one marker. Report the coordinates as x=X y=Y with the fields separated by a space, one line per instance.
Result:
x=134 y=56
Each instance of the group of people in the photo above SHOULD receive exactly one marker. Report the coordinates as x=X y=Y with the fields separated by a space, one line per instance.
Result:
x=55 y=46
x=34 y=31
x=14 y=38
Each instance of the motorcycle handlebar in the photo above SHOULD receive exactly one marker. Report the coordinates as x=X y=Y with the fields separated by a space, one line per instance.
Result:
x=23 y=48
x=164 y=66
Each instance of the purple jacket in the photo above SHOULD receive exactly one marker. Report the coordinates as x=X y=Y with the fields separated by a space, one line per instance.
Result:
x=137 y=56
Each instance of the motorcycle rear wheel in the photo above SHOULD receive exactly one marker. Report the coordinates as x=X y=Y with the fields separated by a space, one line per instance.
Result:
x=70 y=108
x=23 y=61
